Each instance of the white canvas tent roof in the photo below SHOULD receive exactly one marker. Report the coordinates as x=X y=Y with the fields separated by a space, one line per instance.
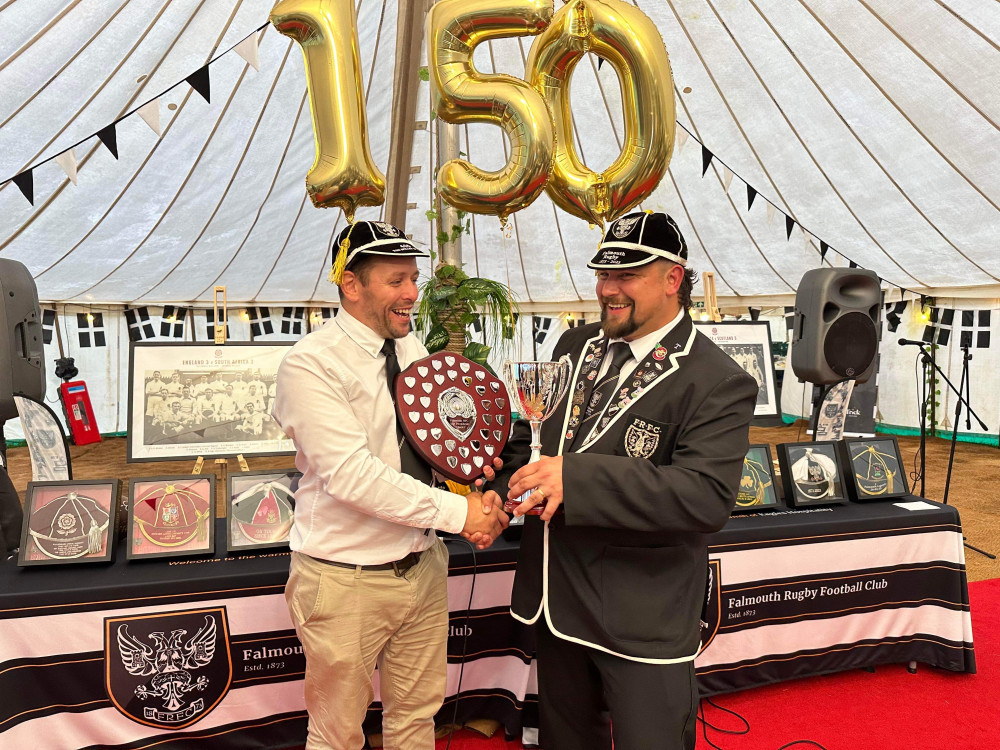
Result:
x=872 y=123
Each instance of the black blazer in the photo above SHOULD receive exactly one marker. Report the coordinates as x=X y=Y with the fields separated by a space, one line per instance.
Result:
x=624 y=568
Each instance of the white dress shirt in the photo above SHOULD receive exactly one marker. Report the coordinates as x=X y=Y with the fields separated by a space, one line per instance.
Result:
x=353 y=504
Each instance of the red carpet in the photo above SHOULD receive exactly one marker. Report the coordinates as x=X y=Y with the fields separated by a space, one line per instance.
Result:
x=889 y=710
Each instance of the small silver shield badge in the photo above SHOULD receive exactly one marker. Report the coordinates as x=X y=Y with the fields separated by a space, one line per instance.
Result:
x=641 y=439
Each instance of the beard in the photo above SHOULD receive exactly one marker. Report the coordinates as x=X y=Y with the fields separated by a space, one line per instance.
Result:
x=622 y=325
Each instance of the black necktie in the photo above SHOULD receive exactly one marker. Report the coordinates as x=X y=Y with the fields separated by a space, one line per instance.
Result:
x=409 y=462
x=603 y=391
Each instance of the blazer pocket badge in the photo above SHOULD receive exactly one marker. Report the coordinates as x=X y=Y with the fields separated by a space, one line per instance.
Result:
x=642 y=438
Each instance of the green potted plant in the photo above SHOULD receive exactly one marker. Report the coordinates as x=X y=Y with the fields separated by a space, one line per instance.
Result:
x=451 y=301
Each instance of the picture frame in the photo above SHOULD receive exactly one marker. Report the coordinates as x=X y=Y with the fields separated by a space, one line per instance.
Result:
x=873 y=467
x=748 y=342
x=758 y=489
x=174 y=412
x=170 y=516
x=68 y=522
x=812 y=474
x=260 y=509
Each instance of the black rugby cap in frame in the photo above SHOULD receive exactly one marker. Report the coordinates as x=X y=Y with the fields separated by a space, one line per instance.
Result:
x=370 y=238
x=640 y=238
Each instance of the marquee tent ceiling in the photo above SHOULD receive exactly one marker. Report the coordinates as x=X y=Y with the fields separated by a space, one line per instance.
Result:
x=872 y=123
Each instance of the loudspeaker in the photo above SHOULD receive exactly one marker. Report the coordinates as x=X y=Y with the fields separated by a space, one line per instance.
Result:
x=835 y=331
x=22 y=363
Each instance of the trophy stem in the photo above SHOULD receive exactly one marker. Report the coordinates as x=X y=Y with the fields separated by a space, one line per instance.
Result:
x=536 y=440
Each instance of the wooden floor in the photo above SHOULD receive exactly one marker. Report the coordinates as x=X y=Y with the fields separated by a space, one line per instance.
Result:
x=975 y=484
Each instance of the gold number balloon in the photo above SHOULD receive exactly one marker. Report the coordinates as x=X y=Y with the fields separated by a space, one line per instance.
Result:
x=464 y=95
x=625 y=37
x=343 y=173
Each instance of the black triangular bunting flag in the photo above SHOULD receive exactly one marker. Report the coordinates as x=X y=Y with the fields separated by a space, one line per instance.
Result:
x=823 y=247
x=26 y=184
x=199 y=82
x=853 y=264
x=789 y=223
x=706 y=160
x=600 y=62
x=109 y=137
x=751 y=194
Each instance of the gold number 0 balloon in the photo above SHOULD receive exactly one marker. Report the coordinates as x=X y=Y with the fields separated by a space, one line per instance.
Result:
x=343 y=173
x=463 y=95
x=625 y=37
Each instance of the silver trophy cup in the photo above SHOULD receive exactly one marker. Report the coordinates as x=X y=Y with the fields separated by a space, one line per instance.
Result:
x=536 y=388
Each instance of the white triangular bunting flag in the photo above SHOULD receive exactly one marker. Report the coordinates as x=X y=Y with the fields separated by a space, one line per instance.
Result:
x=682 y=136
x=770 y=212
x=727 y=178
x=247 y=49
x=150 y=112
x=67 y=160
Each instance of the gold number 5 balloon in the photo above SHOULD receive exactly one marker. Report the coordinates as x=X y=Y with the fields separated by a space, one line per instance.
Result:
x=463 y=95
x=624 y=36
x=343 y=173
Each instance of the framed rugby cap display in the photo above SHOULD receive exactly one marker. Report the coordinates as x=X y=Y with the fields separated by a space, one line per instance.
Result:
x=260 y=509
x=68 y=522
x=171 y=516
x=757 y=490
x=811 y=474
x=873 y=468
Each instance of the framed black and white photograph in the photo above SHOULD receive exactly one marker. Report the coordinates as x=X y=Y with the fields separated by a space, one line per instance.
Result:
x=203 y=399
x=171 y=516
x=811 y=474
x=757 y=490
x=873 y=468
x=260 y=509
x=68 y=522
x=748 y=342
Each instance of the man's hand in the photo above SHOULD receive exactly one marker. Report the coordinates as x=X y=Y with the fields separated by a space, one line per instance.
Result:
x=484 y=520
x=488 y=473
x=545 y=478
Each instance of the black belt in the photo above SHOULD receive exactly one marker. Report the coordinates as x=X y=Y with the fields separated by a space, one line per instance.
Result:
x=399 y=567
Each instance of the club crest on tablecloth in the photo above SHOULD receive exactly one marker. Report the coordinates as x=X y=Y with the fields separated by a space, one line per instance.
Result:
x=168 y=670
x=711 y=613
x=454 y=413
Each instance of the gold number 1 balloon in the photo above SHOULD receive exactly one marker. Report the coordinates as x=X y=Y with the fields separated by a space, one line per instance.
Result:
x=343 y=173
x=625 y=37
x=464 y=95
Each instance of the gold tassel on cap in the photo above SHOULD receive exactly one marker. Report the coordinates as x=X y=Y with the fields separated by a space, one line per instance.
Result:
x=340 y=259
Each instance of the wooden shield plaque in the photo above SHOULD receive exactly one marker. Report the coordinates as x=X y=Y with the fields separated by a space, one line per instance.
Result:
x=455 y=414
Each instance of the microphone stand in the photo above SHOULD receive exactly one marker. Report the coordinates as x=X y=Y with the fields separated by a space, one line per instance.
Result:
x=962 y=401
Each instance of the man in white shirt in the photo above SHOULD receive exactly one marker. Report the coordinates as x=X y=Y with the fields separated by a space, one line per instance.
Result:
x=368 y=578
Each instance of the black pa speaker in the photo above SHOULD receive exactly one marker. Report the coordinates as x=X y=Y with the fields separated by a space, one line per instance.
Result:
x=22 y=363
x=835 y=332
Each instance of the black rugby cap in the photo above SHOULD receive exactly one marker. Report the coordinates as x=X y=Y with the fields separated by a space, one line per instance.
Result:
x=370 y=238
x=640 y=238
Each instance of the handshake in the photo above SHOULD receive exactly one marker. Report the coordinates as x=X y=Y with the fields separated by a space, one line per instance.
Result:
x=485 y=518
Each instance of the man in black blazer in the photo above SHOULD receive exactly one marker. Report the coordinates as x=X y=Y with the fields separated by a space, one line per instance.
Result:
x=641 y=462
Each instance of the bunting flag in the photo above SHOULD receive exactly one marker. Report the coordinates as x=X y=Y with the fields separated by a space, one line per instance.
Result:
x=260 y=321
x=292 y=319
x=754 y=313
x=172 y=322
x=938 y=330
x=26 y=184
x=210 y=324
x=727 y=177
x=789 y=318
x=823 y=248
x=150 y=114
x=975 y=328
x=540 y=328
x=91 y=329
x=67 y=160
x=852 y=264
x=48 y=325
x=140 y=327
x=770 y=210
x=706 y=160
x=751 y=194
x=199 y=81
x=247 y=49
x=109 y=137
x=328 y=313
x=477 y=323
x=789 y=226
x=600 y=62
x=892 y=316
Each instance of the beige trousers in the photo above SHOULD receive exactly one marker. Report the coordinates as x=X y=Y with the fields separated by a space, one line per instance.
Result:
x=349 y=620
